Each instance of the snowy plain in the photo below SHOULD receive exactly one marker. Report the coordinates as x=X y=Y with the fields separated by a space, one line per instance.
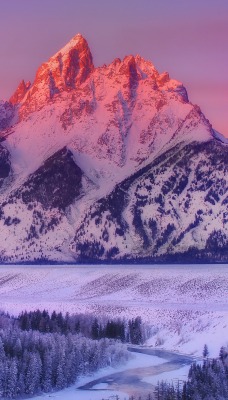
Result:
x=187 y=306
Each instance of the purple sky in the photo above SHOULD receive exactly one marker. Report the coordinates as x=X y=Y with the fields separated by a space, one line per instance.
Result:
x=189 y=39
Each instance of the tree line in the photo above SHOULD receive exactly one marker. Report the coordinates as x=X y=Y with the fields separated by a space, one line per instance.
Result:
x=127 y=331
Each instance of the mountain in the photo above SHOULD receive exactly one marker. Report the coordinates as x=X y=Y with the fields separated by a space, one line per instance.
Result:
x=109 y=163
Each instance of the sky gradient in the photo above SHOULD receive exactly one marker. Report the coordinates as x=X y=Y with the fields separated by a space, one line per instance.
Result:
x=189 y=39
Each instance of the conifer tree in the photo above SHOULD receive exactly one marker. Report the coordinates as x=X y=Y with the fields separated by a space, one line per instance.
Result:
x=205 y=351
x=11 y=384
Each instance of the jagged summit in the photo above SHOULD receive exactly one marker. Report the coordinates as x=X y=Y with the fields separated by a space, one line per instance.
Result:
x=72 y=66
x=65 y=71
x=68 y=68
x=75 y=42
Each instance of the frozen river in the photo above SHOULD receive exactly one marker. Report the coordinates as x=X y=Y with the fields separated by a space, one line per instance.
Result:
x=138 y=379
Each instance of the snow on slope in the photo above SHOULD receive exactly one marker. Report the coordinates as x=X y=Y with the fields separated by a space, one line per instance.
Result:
x=220 y=137
x=187 y=306
x=174 y=205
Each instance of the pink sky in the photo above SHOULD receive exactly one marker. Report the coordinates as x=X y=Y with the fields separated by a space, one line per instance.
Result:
x=189 y=39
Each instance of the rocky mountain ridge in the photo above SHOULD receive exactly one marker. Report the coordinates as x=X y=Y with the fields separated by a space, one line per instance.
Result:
x=109 y=163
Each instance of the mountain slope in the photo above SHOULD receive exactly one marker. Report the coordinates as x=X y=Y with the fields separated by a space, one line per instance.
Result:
x=5 y=166
x=6 y=115
x=109 y=163
x=177 y=204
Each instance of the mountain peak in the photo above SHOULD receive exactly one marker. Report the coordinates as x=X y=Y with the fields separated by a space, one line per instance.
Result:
x=64 y=71
x=70 y=66
x=77 y=42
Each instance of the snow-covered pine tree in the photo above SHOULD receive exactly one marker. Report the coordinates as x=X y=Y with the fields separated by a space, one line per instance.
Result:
x=205 y=351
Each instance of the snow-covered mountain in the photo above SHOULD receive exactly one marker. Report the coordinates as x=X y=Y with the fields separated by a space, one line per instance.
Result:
x=109 y=163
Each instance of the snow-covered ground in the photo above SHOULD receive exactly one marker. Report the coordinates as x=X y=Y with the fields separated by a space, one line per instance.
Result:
x=187 y=305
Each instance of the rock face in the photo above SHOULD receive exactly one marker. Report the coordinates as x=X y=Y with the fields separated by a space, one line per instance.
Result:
x=5 y=166
x=109 y=163
x=6 y=115
x=59 y=175
x=65 y=71
x=20 y=92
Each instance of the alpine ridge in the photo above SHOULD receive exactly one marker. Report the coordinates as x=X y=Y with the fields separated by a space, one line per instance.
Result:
x=109 y=164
